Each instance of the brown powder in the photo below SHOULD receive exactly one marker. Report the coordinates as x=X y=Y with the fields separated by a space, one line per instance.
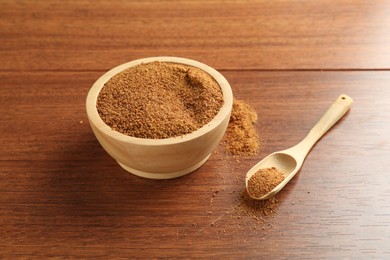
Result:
x=257 y=209
x=260 y=211
x=159 y=100
x=263 y=181
x=241 y=137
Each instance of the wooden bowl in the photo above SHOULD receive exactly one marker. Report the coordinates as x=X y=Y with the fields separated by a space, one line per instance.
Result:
x=161 y=158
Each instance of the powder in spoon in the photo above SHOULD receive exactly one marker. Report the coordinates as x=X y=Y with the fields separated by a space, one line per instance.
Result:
x=159 y=100
x=263 y=181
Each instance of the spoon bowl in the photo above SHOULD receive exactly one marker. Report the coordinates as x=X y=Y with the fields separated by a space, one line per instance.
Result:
x=289 y=161
x=284 y=162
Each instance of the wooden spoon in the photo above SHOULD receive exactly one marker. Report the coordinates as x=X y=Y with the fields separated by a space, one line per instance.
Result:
x=289 y=161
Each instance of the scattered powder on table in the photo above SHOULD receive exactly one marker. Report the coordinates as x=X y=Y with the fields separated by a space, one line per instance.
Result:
x=259 y=184
x=241 y=137
x=263 y=181
x=159 y=100
x=257 y=209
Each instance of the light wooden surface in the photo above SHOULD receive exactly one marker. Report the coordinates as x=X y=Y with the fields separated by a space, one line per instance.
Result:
x=62 y=196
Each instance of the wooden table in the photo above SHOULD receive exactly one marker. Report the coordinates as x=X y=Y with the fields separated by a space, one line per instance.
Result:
x=62 y=196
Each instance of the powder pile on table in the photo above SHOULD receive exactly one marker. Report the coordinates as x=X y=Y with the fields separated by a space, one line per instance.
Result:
x=241 y=138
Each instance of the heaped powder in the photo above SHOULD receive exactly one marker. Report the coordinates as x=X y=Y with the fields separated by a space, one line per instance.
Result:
x=241 y=138
x=159 y=100
x=263 y=181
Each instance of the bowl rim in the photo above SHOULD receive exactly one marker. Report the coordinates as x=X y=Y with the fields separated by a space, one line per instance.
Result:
x=96 y=121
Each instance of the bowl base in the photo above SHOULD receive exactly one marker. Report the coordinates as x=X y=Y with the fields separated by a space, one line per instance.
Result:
x=162 y=176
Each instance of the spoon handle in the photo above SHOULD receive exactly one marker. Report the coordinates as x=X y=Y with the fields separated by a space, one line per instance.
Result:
x=336 y=111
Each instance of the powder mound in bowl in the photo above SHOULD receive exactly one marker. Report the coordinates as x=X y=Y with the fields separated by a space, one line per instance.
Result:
x=263 y=181
x=159 y=100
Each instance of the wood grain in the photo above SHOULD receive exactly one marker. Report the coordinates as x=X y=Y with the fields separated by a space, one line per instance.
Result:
x=267 y=35
x=62 y=196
